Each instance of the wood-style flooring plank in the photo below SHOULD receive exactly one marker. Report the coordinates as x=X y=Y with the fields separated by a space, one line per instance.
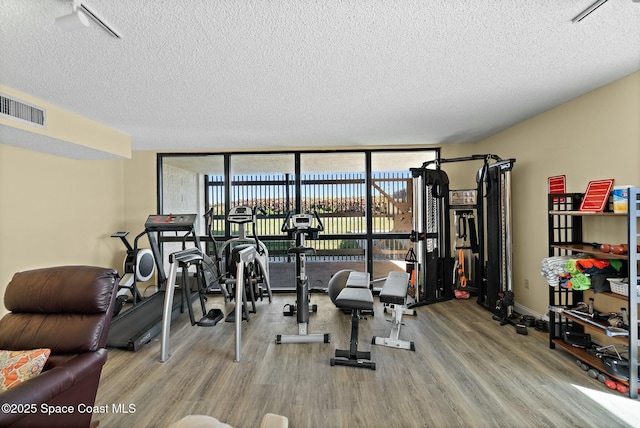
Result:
x=467 y=371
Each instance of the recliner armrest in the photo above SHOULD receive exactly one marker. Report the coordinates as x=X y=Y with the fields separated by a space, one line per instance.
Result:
x=51 y=383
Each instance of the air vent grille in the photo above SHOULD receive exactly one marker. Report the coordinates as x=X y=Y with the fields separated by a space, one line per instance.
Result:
x=19 y=110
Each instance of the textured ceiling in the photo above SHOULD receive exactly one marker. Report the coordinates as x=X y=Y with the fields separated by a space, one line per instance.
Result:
x=270 y=74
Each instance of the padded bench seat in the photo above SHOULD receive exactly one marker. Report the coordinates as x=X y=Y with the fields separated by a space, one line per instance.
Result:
x=355 y=298
x=394 y=295
x=394 y=290
x=358 y=280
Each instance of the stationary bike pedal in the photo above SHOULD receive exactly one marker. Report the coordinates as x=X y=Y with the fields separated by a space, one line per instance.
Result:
x=314 y=308
x=289 y=310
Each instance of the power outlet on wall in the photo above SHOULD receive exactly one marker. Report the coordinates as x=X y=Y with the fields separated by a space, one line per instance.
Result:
x=526 y=284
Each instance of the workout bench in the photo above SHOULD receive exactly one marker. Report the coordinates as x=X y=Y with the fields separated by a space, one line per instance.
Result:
x=356 y=297
x=394 y=295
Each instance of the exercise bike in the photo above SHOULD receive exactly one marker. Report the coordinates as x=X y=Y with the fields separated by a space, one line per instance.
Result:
x=138 y=266
x=302 y=227
x=228 y=256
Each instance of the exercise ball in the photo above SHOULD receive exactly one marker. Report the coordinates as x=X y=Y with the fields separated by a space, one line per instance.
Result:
x=337 y=282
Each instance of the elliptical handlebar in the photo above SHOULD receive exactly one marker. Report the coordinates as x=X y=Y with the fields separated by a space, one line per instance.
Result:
x=208 y=217
x=285 y=223
x=320 y=224
x=254 y=216
x=256 y=209
x=135 y=240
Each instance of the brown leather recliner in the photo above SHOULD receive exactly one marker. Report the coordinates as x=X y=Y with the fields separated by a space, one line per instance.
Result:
x=67 y=309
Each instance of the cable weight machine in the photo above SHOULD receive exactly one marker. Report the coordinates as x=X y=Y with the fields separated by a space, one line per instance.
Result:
x=430 y=258
x=486 y=213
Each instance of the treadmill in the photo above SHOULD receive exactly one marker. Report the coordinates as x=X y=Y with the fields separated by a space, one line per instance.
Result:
x=136 y=326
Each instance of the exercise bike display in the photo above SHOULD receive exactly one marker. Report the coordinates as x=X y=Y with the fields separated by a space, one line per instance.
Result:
x=302 y=227
x=228 y=256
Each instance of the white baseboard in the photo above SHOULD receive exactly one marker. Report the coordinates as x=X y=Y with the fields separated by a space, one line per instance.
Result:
x=523 y=310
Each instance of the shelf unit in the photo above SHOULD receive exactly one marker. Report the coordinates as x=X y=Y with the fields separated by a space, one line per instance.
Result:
x=565 y=238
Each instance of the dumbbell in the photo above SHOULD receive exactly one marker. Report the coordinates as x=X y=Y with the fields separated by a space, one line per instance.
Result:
x=593 y=373
x=582 y=365
x=620 y=387
x=611 y=384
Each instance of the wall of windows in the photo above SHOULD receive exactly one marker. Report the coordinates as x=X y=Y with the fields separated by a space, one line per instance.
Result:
x=363 y=198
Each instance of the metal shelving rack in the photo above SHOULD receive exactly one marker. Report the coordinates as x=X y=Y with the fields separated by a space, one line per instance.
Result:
x=634 y=325
x=566 y=237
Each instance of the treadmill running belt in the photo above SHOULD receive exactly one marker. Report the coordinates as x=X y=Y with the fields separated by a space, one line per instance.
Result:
x=136 y=327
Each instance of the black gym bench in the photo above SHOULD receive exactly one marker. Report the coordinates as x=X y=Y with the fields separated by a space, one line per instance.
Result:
x=394 y=295
x=356 y=298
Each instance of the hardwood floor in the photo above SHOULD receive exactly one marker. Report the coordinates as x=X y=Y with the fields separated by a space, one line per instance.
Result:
x=466 y=371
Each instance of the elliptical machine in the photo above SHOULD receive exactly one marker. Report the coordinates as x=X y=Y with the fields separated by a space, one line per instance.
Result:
x=229 y=254
x=304 y=226
x=211 y=260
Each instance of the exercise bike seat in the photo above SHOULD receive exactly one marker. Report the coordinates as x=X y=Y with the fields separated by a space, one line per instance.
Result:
x=302 y=250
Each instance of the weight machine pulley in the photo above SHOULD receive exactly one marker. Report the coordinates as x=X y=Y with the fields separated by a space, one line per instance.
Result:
x=434 y=203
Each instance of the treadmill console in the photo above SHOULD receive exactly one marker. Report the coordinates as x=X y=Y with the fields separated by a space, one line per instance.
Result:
x=170 y=222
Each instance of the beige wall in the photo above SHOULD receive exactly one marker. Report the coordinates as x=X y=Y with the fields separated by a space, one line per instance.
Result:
x=595 y=136
x=60 y=211
x=57 y=211
x=140 y=196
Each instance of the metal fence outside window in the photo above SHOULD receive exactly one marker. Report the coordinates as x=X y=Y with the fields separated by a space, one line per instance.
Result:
x=341 y=202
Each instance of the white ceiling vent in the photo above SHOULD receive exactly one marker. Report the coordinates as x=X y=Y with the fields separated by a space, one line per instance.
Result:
x=19 y=110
